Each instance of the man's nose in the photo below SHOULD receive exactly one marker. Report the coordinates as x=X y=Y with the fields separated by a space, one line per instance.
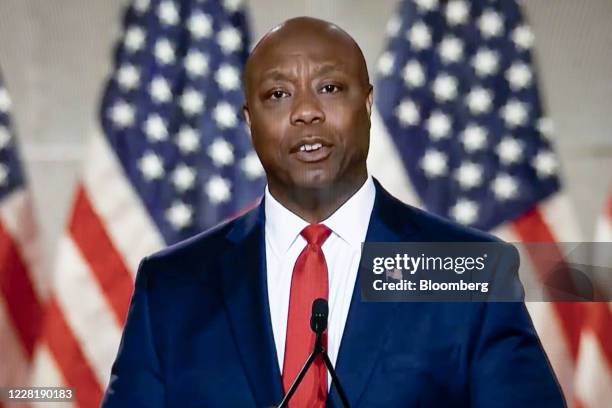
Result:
x=307 y=110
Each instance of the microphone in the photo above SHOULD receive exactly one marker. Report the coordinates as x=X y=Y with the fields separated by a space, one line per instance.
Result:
x=318 y=324
x=318 y=319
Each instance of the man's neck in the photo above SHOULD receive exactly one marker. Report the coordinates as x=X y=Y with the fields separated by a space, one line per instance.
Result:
x=316 y=204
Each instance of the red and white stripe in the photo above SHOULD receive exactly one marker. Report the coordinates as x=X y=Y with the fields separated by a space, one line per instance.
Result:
x=108 y=232
x=594 y=366
x=22 y=288
x=577 y=337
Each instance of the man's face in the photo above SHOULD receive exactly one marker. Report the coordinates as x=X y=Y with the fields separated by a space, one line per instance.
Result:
x=308 y=108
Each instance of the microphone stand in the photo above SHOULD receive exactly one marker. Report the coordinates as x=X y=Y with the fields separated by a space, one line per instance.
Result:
x=318 y=349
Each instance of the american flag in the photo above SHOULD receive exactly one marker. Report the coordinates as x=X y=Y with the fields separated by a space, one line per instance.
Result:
x=171 y=158
x=22 y=284
x=460 y=130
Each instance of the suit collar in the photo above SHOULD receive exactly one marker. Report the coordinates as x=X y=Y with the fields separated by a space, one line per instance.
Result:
x=283 y=227
x=368 y=322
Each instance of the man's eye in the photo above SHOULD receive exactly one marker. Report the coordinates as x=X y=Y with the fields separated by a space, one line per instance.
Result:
x=330 y=88
x=278 y=94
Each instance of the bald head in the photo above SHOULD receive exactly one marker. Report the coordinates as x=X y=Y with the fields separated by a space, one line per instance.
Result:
x=303 y=34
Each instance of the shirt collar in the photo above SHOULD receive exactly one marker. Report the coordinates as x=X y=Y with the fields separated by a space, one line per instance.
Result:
x=349 y=222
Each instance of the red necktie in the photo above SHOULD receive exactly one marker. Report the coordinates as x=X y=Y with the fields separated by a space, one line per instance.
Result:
x=308 y=282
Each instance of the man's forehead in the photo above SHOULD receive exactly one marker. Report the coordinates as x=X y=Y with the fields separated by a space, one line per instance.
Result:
x=313 y=47
x=287 y=64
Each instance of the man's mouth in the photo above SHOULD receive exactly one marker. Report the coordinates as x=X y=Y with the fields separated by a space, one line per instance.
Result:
x=310 y=147
x=312 y=152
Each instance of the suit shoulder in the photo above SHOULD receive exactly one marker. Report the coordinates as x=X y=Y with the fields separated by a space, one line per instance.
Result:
x=431 y=226
x=442 y=229
x=191 y=255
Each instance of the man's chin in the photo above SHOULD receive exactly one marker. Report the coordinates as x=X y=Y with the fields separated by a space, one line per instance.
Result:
x=314 y=179
x=314 y=185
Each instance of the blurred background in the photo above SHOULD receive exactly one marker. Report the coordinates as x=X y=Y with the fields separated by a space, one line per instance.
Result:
x=56 y=59
x=56 y=56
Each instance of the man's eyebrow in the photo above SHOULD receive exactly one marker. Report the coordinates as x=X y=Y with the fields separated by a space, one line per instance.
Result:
x=274 y=74
x=329 y=68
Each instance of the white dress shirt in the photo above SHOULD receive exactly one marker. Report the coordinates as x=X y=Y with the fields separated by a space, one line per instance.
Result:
x=342 y=250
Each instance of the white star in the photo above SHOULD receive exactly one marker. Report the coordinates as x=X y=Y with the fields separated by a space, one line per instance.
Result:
x=252 y=166
x=5 y=101
x=419 y=36
x=413 y=74
x=434 y=163
x=122 y=114
x=151 y=166
x=393 y=25
x=141 y=5
x=196 y=63
x=188 y=140
x=218 y=189
x=451 y=49
x=474 y=138
x=183 y=177
x=3 y=175
x=221 y=152
x=519 y=76
x=514 y=113
x=168 y=13
x=509 y=150
x=445 y=87
x=155 y=128
x=490 y=24
x=504 y=187
x=164 y=51
x=160 y=90
x=179 y=215
x=546 y=126
x=192 y=102
x=523 y=37
x=5 y=137
x=407 y=113
x=426 y=5
x=225 y=115
x=479 y=100
x=229 y=39
x=228 y=77
x=128 y=77
x=232 y=5
x=485 y=62
x=469 y=175
x=386 y=63
x=438 y=125
x=465 y=211
x=200 y=25
x=134 y=39
x=545 y=163
x=457 y=12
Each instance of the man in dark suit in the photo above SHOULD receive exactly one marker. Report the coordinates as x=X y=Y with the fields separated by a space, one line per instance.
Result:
x=222 y=318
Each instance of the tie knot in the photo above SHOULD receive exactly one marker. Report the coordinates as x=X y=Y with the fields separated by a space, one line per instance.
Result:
x=315 y=234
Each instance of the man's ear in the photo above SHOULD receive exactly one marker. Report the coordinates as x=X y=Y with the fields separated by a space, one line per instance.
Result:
x=370 y=100
x=247 y=116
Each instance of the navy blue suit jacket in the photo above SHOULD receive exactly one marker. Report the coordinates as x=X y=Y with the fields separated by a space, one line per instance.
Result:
x=198 y=333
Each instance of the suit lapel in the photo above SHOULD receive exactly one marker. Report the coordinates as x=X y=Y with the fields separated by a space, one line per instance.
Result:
x=367 y=322
x=246 y=300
